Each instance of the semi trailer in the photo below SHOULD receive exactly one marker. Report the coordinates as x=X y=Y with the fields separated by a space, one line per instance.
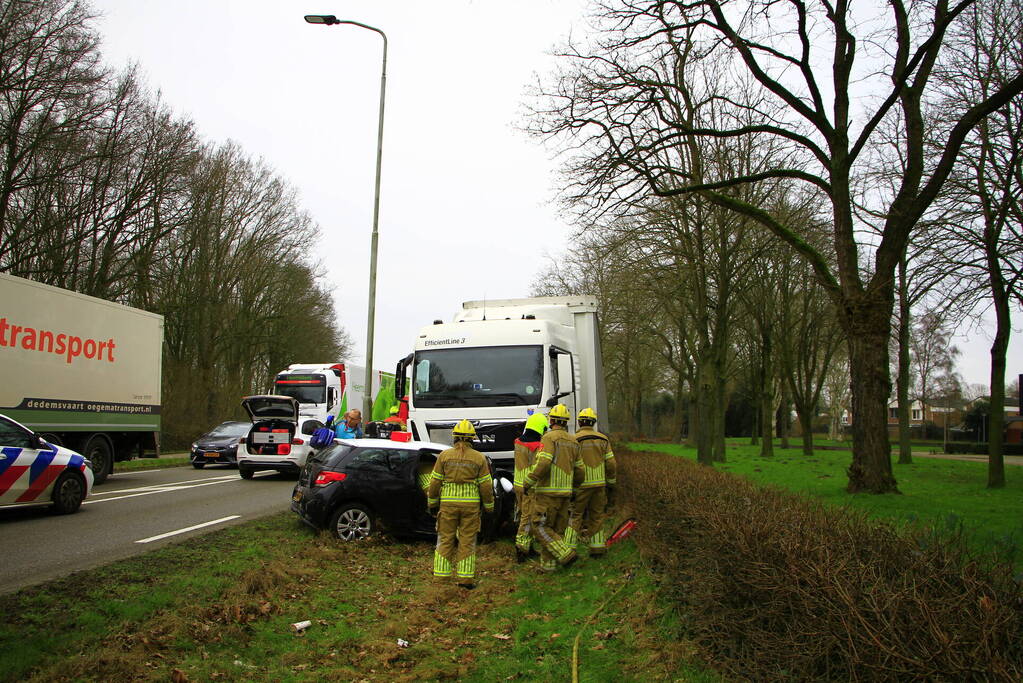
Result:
x=82 y=372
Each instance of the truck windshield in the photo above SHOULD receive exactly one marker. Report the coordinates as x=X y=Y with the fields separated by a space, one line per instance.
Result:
x=481 y=376
x=302 y=388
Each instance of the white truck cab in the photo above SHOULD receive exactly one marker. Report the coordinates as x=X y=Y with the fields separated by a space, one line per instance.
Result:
x=498 y=361
x=330 y=389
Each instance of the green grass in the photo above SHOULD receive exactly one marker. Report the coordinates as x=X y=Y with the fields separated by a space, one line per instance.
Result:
x=220 y=607
x=173 y=460
x=938 y=492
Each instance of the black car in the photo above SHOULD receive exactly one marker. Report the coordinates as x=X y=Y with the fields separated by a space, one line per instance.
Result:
x=219 y=445
x=355 y=486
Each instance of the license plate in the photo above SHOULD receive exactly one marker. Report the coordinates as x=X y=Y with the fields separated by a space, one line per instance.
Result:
x=297 y=497
x=212 y=454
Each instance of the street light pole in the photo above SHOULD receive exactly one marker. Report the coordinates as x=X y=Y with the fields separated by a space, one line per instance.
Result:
x=367 y=401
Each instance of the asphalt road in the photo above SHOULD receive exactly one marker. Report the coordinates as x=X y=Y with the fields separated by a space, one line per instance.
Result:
x=130 y=514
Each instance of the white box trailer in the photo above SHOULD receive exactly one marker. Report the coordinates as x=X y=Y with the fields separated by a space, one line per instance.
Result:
x=499 y=360
x=82 y=372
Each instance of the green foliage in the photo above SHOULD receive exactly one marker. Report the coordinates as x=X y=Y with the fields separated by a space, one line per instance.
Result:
x=104 y=190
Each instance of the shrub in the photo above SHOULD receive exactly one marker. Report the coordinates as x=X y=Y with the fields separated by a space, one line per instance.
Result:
x=776 y=586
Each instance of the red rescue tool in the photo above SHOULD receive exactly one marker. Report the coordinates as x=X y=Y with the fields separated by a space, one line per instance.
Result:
x=622 y=532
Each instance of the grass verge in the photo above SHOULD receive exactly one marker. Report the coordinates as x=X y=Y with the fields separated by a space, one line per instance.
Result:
x=944 y=494
x=151 y=463
x=220 y=608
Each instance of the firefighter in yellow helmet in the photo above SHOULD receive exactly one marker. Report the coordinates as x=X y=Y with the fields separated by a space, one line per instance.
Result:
x=591 y=500
x=556 y=472
x=526 y=448
x=460 y=482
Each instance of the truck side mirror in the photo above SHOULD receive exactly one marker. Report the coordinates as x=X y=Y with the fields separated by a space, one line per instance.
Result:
x=331 y=397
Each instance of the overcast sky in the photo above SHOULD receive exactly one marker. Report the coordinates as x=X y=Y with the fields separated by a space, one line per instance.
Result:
x=466 y=209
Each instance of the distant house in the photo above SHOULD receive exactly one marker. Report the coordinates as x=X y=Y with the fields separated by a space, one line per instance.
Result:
x=935 y=412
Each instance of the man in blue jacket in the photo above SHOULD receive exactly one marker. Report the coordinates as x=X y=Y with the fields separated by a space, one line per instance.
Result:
x=351 y=426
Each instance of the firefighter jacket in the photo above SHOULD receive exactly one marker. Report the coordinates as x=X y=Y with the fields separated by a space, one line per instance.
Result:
x=557 y=469
x=525 y=457
x=598 y=460
x=461 y=477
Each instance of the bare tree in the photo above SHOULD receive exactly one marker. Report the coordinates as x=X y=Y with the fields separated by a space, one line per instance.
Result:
x=985 y=245
x=630 y=103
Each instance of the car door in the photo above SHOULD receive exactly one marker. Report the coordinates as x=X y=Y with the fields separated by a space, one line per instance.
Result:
x=423 y=462
x=24 y=468
x=381 y=484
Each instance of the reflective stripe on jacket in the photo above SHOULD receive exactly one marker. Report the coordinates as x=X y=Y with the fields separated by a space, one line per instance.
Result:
x=557 y=469
x=461 y=476
x=525 y=458
x=595 y=452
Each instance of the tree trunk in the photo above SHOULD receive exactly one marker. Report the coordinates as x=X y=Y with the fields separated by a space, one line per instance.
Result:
x=784 y=421
x=705 y=411
x=692 y=418
x=867 y=323
x=806 y=426
x=766 y=396
x=996 y=425
x=905 y=447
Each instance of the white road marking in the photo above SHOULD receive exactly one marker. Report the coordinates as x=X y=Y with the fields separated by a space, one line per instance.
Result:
x=170 y=484
x=187 y=529
x=169 y=487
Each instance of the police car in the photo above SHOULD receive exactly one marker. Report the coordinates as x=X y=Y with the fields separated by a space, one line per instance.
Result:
x=35 y=472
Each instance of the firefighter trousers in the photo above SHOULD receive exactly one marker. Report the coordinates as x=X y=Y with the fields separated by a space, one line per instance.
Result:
x=587 y=520
x=548 y=519
x=455 y=554
x=523 y=536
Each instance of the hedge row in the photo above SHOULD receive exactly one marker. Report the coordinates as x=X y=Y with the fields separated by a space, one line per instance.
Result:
x=776 y=586
x=973 y=448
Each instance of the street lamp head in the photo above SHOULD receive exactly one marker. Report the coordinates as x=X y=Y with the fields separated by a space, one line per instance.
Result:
x=328 y=19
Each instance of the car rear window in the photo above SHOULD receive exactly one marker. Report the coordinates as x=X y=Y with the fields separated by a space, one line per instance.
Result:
x=230 y=429
x=333 y=455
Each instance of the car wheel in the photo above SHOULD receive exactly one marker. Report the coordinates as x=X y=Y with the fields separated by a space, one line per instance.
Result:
x=245 y=472
x=198 y=465
x=98 y=451
x=352 y=522
x=68 y=493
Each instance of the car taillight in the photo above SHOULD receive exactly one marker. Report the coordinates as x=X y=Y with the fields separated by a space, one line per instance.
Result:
x=283 y=448
x=327 y=477
x=297 y=441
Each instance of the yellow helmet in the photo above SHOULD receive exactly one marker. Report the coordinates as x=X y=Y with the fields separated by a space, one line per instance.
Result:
x=587 y=415
x=537 y=422
x=464 y=429
x=394 y=410
x=559 y=413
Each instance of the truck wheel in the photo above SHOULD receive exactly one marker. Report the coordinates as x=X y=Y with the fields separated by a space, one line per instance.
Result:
x=98 y=451
x=352 y=522
x=245 y=472
x=68 y=493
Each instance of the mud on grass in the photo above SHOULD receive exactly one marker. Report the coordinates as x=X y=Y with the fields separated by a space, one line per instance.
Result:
x=220 y=608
